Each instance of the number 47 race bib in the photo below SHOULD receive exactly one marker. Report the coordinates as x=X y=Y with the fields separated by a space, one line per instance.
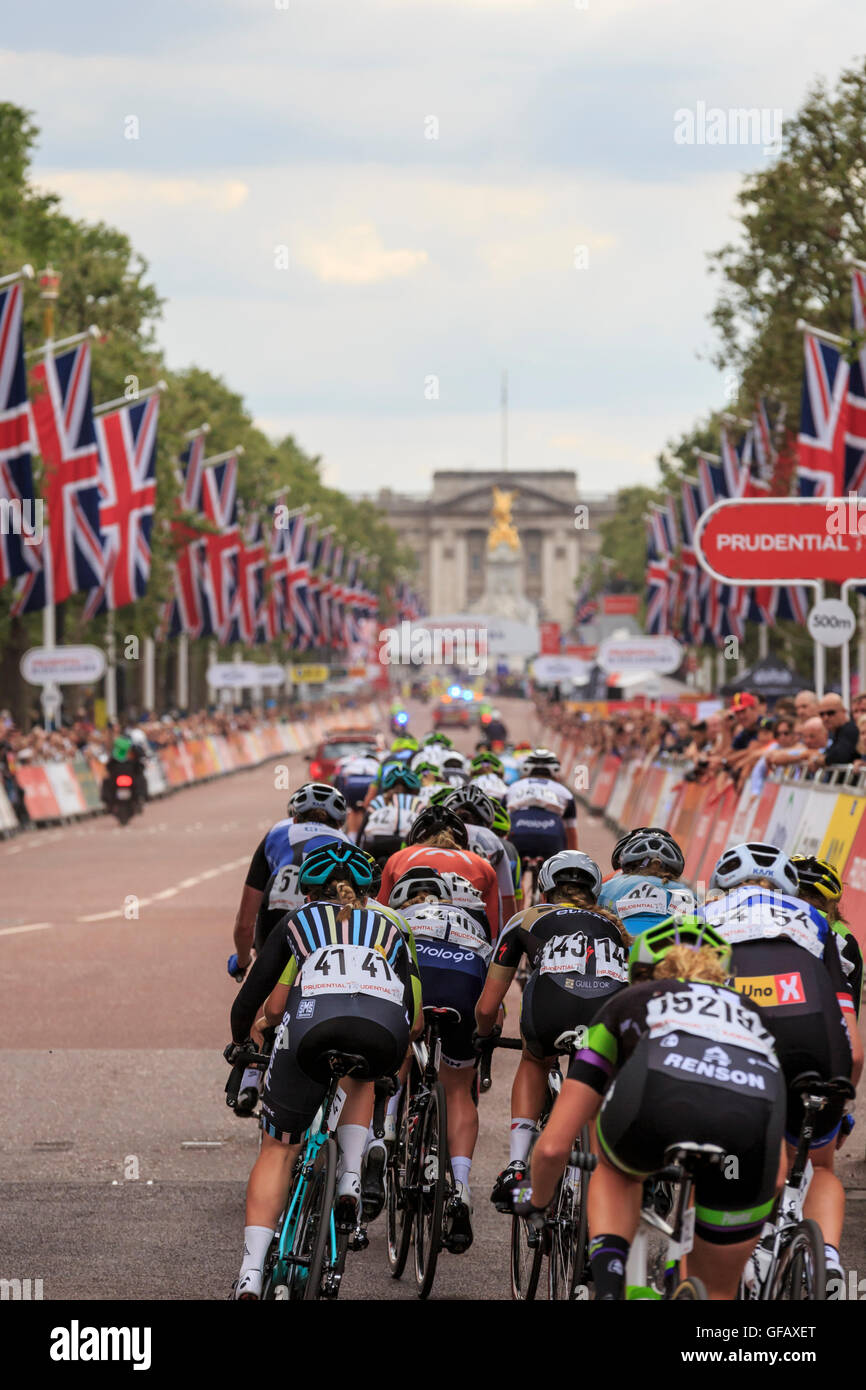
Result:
x=350 y=970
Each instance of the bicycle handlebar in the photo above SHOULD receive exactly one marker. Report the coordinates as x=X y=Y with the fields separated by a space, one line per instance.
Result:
x=485 y=1080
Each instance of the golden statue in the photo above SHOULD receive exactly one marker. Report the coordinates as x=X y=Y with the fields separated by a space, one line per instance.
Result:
x=503 y=530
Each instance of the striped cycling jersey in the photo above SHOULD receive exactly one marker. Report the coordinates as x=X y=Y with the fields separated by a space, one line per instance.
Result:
x=389 y=818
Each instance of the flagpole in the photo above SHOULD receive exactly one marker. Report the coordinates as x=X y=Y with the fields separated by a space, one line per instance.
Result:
x=49 y=345
x=25 y=273
x=110 y=669
x=833 y=338
x=182 y=672
x=149 y=691
x=131 y=400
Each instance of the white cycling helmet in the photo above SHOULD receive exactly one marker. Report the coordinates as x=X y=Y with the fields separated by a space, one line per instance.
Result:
x=321 y=797
x=742 y=862
x=417 y=881
x=570 y=866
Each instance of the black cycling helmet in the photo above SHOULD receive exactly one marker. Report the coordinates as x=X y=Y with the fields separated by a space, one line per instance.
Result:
x=433 y=819
x=417 y=881
x=623 y=840
x=652 y=843
x=338 y=860
x=318 y=796
x=471 y=804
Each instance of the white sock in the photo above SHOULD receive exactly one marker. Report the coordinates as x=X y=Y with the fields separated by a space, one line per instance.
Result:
x=250 y=1079
x=460 y=1168
x=831 y=1255
x=351 y=1140
x=522 y=1132
x=257 y=1242
x=394 y=1101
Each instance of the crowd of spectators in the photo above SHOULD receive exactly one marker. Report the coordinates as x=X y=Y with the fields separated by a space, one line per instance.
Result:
x=735 y=745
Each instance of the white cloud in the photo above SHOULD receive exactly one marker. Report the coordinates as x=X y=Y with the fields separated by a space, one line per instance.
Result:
x=112 y=193
x=357 y=256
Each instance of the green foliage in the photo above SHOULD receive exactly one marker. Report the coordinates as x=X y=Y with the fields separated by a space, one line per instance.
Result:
x=106 y=282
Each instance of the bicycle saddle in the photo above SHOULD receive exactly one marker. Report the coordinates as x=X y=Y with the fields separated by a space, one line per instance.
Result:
x=431 y=1011
x=811 y=1083
x=346 y=1063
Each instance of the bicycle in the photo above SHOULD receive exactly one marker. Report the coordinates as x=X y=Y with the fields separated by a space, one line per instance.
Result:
x=788 y=1263
x=307 y=1257
x=420 y=1181
x=681 y=1163
x=563 y=1236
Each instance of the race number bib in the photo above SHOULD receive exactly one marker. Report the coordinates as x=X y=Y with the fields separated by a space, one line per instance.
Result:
x=707 y=1013
x=437 y=924
x=350 y=970
x=762 y=920
x=383 y=821
x=568 y=955
x=643 y=897
x=285 y=895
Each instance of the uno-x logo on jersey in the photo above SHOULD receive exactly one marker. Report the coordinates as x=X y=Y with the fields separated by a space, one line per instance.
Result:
x=772 y=990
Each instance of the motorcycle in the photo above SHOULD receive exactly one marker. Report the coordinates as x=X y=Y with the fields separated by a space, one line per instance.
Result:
x=399 y=722
x=120 y=795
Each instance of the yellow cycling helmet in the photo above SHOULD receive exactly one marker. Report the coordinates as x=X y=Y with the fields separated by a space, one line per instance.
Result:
x=819 y=875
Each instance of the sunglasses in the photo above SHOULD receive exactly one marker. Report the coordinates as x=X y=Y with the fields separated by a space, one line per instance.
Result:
x=828 y=713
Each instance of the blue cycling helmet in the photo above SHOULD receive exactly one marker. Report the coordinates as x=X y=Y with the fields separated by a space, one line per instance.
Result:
x=338 y=860
x=398 y=774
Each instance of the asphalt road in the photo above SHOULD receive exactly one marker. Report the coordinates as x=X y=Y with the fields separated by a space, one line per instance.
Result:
x=122 y=1172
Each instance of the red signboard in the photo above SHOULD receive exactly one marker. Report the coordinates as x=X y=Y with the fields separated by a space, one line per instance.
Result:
x=586 y=653
x=620 y=605
x=782 y=540
x=549 y=638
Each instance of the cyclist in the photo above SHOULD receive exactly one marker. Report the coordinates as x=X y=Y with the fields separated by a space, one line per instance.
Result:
x=542 y=810
x=676 y=1057
x=355 y=774
x=821 y=886
x=453 y=951
x=454 y=769
x=647 y=886
x=439 y=840
x=343 y=973
x=313 y=806
x=390 y=814
x=487 y=772
x=477 y=812
x=786 y=958
x=502 y=827
x=428 y=769
x=578 y=953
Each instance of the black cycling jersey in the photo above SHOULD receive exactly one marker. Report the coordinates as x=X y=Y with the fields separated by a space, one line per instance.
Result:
x=579 y=949
x=369 y=950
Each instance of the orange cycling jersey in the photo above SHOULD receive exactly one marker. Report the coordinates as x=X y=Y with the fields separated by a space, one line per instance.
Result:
x=480 y=874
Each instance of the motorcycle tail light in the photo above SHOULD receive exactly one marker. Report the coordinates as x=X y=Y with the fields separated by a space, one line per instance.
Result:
x=124 y=781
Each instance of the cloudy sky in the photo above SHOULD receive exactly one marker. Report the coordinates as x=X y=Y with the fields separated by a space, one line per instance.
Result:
x=360 y=211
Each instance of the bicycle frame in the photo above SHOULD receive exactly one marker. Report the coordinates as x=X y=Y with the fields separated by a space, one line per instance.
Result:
x=317 y=1136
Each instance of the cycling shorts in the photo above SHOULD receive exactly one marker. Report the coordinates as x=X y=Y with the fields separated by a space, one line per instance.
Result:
x=298 y=1076
x=452 y=978
x=548 y=1010
x=651 y=1105
x=536 y=834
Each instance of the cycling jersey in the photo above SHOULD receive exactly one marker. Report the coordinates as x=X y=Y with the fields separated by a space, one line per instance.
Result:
x=488 y=844
x=463 y=864
x=453 y=951
x=681 y=1060
x=541 y=811
x=852 y=960
x=354 y=776
x=286 y=843
x=492 y=784
x=578 y=960
x=786 y=958
x=389 y=817
x=376 y=959
x=352 y=986
x=640 y=900
x=425 y=795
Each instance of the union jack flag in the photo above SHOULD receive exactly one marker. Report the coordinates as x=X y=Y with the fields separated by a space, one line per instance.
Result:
x=244 y=619
x=219 y=568
x=300 y=621
x=186 y=612
x=322 y=568
x=127 y=486
x=658 y=576
x=16 y=470
x=855 y=439
x=62 y=414
x=823 y=420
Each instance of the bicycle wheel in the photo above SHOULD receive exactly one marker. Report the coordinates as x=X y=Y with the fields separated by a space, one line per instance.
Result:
x=432 y=1175
x=527 y=1252
x=801 y=1273
x=313 y=1230
x=398 y=1207
x=691 y=1291
x=566 y=1266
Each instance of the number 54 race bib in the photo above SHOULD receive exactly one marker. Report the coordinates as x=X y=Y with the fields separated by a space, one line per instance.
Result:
x=350 y=970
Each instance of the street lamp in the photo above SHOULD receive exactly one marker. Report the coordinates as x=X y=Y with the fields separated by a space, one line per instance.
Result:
x=49 y=290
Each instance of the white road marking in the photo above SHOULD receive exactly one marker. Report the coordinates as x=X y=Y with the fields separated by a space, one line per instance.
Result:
x=31 y=926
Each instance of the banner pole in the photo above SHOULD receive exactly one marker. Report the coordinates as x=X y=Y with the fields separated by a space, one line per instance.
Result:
x=182 y=672
x=820 y=667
